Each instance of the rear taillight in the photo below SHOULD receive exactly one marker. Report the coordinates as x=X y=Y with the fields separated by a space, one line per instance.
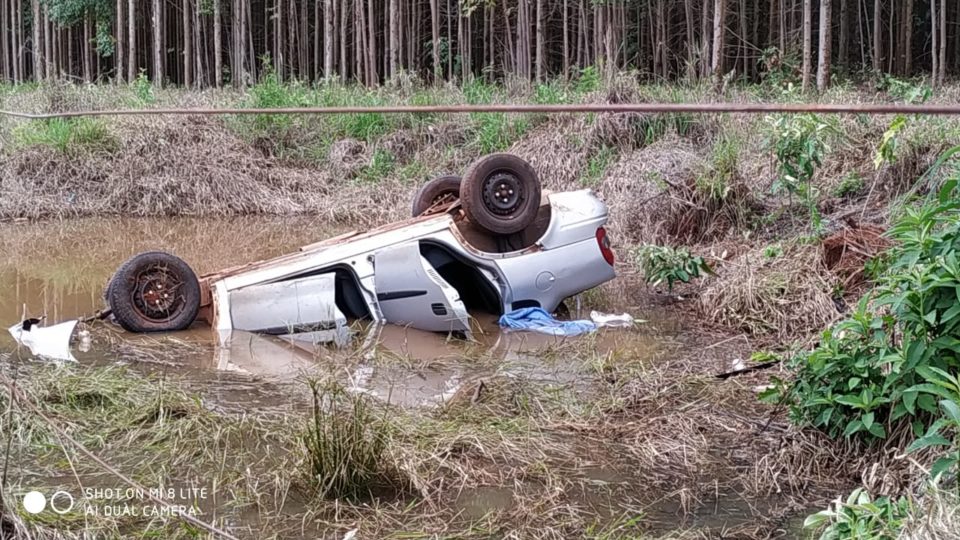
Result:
x=604 y=244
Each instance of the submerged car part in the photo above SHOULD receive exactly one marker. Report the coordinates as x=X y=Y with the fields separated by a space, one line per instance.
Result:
x=287 y=307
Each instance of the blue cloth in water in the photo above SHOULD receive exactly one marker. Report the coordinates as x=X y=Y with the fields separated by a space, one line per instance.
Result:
x=538 y=320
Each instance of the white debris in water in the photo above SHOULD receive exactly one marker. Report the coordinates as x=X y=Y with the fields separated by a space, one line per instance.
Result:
x=47 y=341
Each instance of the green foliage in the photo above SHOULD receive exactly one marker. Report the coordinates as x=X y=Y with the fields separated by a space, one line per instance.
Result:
x=66 y=135
x=799 y=142
x=780 y=70
x=664 y=263
x=884 y=367
x=270 y=93
x=851 y=184
x=495 y=132
x=861 y=517
x=597 y=165
x=588 y=80
x=551 y=93
x=907 y=91
x=717 y=180
x=773 y=251
x=345 y=444
x=887 y=151
x=143 y=88
x=381 y=164
x=947 y=387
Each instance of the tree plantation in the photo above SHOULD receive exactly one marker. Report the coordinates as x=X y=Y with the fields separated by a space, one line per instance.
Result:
x=213 y=42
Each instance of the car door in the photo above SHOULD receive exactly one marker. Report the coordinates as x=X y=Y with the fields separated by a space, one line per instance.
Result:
x=411 y=292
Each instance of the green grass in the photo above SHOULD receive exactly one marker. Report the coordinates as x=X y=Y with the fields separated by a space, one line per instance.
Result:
x=597 y=166
x=717 y=180
x=67 y=136
x=345 y=443
x=382 y=163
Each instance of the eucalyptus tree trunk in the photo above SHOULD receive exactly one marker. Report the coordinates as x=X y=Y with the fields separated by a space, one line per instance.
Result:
x=843 y=53
x=540 y=31
x=823 y=66
x=4 y=41
x=908 y=38
x=131 y=40
x=807 y=43
x=719 y=16
x=36 y=43
x=877 y=38
x=328 y=38
x=342 y=11
x=705 y=64
x=943 y=42
x=435 y=39
x=217 y=46
x=187 y=45
x=157 y=47
x=566 y=41
x=691 y=46
x=120 y=64
x=372 y=43
x=394 y=37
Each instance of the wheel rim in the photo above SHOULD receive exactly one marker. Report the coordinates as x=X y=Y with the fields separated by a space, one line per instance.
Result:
x=156 y=294
x=503 y=193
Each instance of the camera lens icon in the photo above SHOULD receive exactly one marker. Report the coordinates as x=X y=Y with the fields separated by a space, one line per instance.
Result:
x=61 y=502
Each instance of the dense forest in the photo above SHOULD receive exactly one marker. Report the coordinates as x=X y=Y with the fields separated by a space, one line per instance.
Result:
x=215 y=42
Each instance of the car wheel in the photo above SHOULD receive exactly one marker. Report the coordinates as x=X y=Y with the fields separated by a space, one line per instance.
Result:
x=436 y=192
x=501 y=193
x=154 y=292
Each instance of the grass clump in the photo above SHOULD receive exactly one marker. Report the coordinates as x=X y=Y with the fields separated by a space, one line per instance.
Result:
x=597 y=166
x=68 y=136
x=717 y=181
x=382 y=163
x=346 y=444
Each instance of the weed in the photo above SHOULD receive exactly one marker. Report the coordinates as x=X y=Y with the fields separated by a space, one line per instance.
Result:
x=588 y=80
x=551 y=93
x=345 y=444
x=381 y=164
x=663 y=263
x=716 y=182
x=597 y=165
x=143 y=88
x=862 y=517
x=851 y=184
x=773 y=251
x=66 y=135
x=800 y=143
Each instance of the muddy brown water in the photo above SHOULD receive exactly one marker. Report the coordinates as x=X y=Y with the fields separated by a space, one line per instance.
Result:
x=59 y=269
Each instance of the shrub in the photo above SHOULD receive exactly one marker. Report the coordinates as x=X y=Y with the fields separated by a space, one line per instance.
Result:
x=885 y=366
x=588 y=80
x=861 y=517
x=799 y=142
x=663 y=263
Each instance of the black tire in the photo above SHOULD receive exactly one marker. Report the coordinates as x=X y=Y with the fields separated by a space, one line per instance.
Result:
x=137 y=293
x=501 y=193
x=435 y=192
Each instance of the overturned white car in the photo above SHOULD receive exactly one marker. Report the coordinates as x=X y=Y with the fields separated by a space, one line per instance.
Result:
x=491 y=242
